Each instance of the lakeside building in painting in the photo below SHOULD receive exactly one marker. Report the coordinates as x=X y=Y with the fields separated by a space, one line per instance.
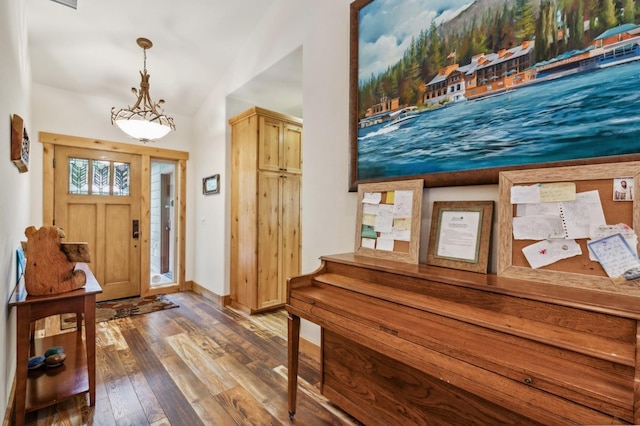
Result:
x=507 y=69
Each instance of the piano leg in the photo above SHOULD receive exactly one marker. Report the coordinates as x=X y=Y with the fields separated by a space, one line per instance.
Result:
x=293 y=326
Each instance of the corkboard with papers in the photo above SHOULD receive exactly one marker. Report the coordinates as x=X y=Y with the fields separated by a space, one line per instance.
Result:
x=388 y=220
x=578 y=269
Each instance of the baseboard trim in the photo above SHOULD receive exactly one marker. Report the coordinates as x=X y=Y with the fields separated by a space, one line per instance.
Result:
x=207 y=294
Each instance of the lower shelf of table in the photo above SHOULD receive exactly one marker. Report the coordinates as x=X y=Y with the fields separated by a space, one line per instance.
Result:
x=48 y=386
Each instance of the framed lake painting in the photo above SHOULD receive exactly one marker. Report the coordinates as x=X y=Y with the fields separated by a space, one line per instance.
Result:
x=453 y=92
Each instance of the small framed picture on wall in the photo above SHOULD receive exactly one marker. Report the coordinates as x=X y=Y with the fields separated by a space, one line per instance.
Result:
x=211 y=184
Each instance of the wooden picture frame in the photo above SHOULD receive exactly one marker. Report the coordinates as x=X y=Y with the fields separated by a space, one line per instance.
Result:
x=468 y=108
x=578 y=271
x=388 y=220
x=20 y=144
x=211 y=184
x=460 y=236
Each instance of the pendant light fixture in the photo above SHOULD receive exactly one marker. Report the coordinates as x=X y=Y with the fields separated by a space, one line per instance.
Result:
x=146 y=121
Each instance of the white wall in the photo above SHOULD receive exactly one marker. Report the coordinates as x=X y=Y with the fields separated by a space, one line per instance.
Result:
x=15 y=208
x=328 y=209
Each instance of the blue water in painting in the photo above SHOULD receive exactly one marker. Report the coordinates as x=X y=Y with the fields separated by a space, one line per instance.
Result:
x=594 y=114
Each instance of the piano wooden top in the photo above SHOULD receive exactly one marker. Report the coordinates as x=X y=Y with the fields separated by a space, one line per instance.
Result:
x=381 y=272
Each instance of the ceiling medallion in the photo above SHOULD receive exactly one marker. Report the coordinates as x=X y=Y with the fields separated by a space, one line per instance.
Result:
x=146 y=120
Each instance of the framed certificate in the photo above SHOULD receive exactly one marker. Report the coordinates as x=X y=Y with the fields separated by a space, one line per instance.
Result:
x=460 y=235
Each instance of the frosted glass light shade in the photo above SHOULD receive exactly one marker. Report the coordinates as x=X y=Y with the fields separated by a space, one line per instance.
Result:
x=142 y=129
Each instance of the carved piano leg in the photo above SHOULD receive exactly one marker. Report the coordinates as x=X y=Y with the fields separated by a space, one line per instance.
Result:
x=293 y=325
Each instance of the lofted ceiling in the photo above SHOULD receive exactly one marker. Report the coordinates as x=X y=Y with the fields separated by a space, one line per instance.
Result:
x=93 y=50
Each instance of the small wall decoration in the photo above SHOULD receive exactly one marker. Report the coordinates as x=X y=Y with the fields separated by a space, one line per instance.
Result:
x=19 y=144
x=211 y=185
x=460 y=235
x=388 y=220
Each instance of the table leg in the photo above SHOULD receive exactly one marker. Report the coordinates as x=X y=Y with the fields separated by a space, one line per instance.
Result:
x=23 y=329
x=90 y=339
x=293 y=328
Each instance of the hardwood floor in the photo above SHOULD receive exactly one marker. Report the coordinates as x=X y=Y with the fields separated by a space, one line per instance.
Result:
x=199 y=364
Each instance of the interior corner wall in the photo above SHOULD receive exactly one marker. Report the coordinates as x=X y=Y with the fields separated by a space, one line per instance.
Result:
x=328 y=208
x=15 y=208
x=279 y=32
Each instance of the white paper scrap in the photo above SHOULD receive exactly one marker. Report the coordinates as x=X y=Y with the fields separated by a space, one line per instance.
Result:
x=523 y=194
x=537 y=227
x=547 y=252
x=372 y=197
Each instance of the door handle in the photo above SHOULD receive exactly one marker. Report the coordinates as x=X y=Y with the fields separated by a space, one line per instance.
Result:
x=135 y=229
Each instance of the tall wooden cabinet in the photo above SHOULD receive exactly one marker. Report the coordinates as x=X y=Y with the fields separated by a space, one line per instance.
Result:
x=266 y=171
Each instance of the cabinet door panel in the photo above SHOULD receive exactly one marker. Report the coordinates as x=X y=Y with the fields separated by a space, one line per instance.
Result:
x=292 y=148
x=268 y=239
x=269 y=142
x=290 y=225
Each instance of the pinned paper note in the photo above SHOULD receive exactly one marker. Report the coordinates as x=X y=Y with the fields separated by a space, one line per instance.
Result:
x=390 y=199
x=543 y=193
x=372 y=197
x=524 y=194
x=623 y=229
x=579 y=216
x=537 y=227
x=558 y=191
x=614 y=254
x=547 y=252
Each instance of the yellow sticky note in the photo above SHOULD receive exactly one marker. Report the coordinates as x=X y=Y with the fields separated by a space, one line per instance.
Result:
x=391 y=196
x=558 y=191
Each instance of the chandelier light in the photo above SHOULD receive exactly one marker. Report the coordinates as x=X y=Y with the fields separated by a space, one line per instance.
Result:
x=146 y=121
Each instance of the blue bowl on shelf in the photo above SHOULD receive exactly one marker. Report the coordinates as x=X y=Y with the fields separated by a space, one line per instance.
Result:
x=36 y=362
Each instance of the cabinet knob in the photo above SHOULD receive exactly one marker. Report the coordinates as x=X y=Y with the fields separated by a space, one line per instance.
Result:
x=528 y=380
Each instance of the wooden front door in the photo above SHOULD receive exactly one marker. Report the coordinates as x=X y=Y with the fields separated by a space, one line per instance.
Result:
x=97 y=200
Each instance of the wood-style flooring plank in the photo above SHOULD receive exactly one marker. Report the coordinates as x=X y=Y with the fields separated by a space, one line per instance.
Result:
x=244 y=409
x=150 y=405
x=274 y=402
x=202 y=401
x=263 y=349
x=122 y=397
x=199 y=316
x=215 y=378
x=176 y=407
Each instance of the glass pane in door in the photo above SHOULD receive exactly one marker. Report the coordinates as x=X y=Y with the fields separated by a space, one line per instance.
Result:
x=162 y=221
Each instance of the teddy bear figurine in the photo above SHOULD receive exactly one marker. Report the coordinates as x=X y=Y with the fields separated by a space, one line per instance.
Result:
x=49 y=270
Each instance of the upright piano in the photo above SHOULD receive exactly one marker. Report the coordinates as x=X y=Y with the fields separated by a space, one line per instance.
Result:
x=417 y=344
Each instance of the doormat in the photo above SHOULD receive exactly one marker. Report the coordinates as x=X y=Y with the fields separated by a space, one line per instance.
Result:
x=113 y=309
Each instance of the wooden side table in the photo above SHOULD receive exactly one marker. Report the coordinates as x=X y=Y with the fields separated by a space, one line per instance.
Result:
x=47 y=386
